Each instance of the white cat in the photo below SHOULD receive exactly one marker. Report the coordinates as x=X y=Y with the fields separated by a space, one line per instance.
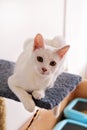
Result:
x=37 y=69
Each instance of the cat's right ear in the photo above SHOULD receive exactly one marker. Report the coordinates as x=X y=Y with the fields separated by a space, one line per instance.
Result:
x=38 y=42
x=62 y=51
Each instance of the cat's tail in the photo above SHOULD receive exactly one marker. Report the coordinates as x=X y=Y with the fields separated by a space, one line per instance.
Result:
x=58 y=41
x=27 y=42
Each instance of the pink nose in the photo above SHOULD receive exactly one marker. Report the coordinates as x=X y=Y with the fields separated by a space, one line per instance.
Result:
x=44 y=69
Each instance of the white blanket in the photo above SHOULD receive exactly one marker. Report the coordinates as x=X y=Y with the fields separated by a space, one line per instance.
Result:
x=13 y=115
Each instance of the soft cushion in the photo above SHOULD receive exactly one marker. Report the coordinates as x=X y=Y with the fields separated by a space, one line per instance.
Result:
x=64 y=84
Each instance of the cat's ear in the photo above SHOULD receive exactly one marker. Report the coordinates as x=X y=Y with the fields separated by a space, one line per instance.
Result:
x=38 y=42
x=62 y=51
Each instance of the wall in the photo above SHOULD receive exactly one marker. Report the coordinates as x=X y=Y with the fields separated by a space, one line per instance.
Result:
x=21 y=19
x=76 y=35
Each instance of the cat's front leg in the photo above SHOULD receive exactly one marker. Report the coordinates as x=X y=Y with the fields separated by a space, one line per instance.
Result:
x=56 y=110
x=38 y=94
x=23 y=96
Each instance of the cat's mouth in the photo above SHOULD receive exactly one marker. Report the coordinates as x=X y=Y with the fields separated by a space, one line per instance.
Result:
x=41 y=73
x=44 y=73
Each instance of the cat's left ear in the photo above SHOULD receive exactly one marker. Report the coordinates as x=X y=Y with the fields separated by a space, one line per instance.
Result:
x=38 y=42
x=62 y=51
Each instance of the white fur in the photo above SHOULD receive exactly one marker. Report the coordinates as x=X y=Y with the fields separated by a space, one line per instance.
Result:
x=28 y=74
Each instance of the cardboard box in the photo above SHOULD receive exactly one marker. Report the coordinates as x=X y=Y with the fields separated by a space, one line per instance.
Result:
x=45 y=120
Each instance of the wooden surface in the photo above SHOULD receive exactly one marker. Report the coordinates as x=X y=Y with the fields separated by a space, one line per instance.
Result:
x=45 y=120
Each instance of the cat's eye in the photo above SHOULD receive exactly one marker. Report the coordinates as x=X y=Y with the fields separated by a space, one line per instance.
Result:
x=39 y=58
x=52 y=63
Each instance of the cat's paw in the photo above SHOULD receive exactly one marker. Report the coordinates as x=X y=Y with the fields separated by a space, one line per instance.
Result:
x=29 y=107
x=56 y=111
x=38 y=94
x=29 y=104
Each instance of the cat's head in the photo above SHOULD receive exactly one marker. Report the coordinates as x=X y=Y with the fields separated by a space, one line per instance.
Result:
x=46 y=59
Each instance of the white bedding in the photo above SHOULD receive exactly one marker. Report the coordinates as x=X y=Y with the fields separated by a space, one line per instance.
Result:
x=16 y=115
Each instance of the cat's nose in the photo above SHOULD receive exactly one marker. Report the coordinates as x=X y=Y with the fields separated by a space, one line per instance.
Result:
x=44 y=69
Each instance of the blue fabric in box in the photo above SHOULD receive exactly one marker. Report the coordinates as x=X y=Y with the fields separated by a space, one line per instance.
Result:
x=75 y=110
x=64 y=84
x=68 y=124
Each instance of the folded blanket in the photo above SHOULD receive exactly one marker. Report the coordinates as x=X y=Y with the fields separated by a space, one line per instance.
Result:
x=2 y=114
x=64 y=84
